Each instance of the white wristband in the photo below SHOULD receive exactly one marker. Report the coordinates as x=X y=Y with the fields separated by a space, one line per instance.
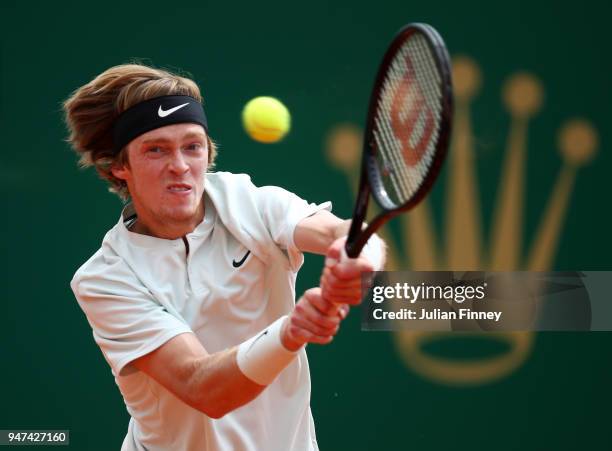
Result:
x=262 y=357
x=374 y=251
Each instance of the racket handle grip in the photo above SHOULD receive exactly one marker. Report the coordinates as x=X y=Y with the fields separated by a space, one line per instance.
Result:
x=374 y=251
x=339 y=309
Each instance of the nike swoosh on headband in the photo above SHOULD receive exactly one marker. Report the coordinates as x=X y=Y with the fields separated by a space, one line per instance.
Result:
x=163 y=113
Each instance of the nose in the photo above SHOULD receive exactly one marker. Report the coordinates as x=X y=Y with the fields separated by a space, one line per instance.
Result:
x=178 y=163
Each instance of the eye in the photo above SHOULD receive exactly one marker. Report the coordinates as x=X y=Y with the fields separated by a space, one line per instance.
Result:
x=194 y=146
x=155 y=152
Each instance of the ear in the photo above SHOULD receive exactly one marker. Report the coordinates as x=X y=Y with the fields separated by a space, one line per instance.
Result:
x=120 y=172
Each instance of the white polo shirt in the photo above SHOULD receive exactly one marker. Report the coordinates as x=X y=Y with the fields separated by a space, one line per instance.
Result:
x=138 y=292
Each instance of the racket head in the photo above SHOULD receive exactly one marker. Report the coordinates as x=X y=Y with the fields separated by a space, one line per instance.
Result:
x=409 y=119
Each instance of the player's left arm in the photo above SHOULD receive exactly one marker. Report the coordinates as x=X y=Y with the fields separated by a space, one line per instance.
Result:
x=316 y=233
x=324 y=233
x=321 y=232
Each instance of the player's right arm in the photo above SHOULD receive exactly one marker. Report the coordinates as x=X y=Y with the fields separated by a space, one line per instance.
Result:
x=214 y=383
x=210 y=383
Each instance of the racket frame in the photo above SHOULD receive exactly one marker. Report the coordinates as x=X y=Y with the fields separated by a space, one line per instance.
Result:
x=370 y=181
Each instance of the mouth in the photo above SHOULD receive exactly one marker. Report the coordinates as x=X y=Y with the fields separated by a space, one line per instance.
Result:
x=179 y=188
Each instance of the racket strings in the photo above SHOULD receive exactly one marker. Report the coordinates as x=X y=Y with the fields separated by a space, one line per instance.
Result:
x=390 y=148
x=406 y=126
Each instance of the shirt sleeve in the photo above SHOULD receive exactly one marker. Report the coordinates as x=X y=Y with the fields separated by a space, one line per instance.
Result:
x=282 y=211
x=127 y=322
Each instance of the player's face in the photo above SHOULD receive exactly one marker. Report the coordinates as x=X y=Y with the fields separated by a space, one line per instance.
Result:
x=166 y=173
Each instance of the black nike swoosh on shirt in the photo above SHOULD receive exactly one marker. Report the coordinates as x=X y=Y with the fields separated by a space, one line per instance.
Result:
x=238 y=264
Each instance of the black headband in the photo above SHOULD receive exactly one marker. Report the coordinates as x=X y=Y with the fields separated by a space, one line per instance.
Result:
x=155 y=113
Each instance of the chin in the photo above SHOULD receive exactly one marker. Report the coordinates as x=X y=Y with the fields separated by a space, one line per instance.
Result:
x=177 y=214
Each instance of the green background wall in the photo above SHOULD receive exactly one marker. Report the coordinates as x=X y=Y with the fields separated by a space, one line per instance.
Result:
x=320 y=59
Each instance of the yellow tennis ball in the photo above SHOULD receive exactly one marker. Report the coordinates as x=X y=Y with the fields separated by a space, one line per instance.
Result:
x=266 y=119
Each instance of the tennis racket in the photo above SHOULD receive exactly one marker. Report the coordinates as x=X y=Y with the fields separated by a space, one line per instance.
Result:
x=407 y=129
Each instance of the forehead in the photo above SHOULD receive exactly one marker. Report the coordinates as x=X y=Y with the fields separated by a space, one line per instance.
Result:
x=174 y=132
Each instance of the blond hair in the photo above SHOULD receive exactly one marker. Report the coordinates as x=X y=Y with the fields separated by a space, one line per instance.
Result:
x=91 y=110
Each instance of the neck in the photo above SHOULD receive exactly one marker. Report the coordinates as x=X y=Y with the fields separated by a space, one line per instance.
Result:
x=169 y=230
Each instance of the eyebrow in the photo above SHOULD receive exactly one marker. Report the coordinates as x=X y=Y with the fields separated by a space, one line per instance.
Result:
x=165 y=140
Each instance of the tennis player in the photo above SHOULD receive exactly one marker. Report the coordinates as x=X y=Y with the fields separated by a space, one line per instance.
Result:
x=191 y=297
